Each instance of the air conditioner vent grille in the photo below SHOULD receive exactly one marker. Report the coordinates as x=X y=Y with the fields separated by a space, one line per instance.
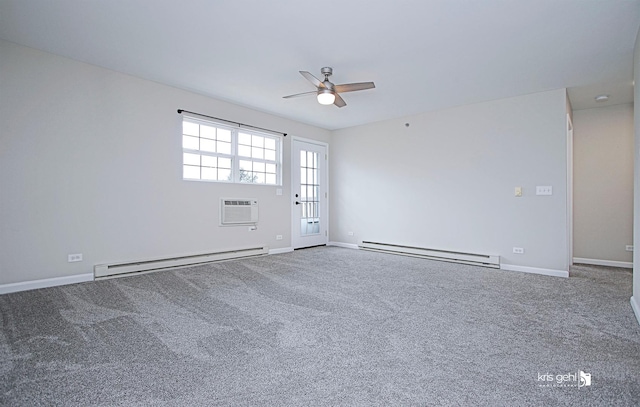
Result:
x=234 y=211
x=235 y=203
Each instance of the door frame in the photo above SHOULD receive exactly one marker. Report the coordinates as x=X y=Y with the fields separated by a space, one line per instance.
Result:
x=295 y=226
x=569 y=128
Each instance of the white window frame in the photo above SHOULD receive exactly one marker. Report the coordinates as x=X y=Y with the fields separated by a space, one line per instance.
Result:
x=234 y=156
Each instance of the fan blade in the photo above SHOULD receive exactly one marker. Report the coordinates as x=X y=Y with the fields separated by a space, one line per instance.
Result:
x=339 y=101
x=350 y=87
x=315 y=81
x=313 y=92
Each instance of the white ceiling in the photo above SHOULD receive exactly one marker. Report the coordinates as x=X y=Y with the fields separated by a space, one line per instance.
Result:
x=422 y=54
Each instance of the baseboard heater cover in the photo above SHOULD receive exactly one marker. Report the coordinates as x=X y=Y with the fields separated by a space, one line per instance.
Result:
x=123 y=268
x=484 y=260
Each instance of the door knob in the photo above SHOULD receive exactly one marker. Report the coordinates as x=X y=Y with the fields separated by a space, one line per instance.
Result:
x=297 y=203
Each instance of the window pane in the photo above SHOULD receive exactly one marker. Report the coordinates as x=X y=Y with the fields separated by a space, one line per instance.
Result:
x=271 y=179
x=269 y=155
x=258 y=167
x=207 y=145
x=244 y=151
x=224 y=135
x=245 y=165
x=257 y=152
x=224 y=147
x=270 y=168
x=270 y=143
x=190 y=172
x=191 y=159
x=192 y=143
x=258 y=155
x=224 y=175
x=224 y=162
x=257 y=141
x=247 y=176
x=207 y=132
x=244 y=138
x=190 y=128
x=209 y=173
x=208 y=161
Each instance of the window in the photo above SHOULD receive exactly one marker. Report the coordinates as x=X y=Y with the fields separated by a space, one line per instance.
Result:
x=217 y=152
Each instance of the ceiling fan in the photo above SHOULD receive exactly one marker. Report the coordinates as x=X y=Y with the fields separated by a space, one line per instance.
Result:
x=327 y=92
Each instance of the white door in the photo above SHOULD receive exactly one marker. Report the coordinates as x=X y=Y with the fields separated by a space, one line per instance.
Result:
x=309 y=194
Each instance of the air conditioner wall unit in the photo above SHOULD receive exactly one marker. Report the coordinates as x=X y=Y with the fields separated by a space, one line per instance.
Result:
x=238 y=211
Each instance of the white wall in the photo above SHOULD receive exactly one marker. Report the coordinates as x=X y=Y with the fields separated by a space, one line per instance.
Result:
x=447 y=181
x=603 y=183
x=90 y=162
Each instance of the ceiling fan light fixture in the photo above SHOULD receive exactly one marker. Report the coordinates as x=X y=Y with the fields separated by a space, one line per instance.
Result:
x=326 y=97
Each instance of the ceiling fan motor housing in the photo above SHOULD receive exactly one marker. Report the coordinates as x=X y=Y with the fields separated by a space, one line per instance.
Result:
x=326 y=92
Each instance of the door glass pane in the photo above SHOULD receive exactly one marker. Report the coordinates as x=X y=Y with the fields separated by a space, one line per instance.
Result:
x=310 y=203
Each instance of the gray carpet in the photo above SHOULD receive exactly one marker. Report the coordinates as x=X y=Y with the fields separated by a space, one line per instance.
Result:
x=324 y=326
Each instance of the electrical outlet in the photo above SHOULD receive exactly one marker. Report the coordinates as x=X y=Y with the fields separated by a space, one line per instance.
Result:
x=629 y=248
x=518 y=250
x=350 y=233
x=72 y=258
x=544 y=190
x=278 y=237
x=252 y=228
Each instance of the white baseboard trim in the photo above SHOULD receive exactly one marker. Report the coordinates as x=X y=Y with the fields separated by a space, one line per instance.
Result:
x=281 y=250
x=608 y=263
x=47 y=282
x=535 y=270
x=345 y=245
x=636 y=308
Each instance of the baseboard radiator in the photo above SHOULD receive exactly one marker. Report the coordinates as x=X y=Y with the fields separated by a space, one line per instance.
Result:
x=131 y=267
x=484 y=260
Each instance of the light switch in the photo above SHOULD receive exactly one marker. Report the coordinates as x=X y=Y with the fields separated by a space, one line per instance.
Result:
x=518 y=191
